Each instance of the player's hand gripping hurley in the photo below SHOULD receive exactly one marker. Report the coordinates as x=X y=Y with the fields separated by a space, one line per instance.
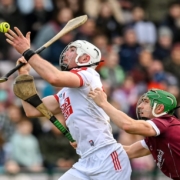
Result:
x=25 y=89
x=72 y=24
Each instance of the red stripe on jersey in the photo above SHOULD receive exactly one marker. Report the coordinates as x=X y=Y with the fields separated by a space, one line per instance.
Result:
x=81 y=80
x=78 y=69
x=116 y=161
x=56 y=97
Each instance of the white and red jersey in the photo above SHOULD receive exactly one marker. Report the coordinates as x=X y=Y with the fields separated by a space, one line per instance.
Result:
x=88 y=123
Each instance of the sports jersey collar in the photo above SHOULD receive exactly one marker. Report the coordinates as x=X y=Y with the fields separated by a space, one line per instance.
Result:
x=78 y=69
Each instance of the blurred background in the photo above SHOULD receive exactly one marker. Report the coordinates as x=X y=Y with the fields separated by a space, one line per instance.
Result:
x=140 y=45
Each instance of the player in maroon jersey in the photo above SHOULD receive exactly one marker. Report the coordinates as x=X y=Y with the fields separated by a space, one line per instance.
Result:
x=159 y=126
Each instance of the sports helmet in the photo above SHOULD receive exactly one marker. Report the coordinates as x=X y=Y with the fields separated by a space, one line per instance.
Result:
x=82 y=47
x=156 y=97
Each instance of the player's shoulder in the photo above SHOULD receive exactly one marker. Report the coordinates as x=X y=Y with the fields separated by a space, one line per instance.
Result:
x=84 y=70
x=166 y=119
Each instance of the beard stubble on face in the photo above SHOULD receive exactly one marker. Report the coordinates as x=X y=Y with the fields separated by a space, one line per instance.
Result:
x=144 y=115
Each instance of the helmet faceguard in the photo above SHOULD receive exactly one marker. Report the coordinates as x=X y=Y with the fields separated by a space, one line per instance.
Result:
x=138 y=114
x=157 y=97
x=82 y=47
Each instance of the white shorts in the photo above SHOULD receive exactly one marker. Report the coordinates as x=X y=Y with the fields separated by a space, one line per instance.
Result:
x=102 y=164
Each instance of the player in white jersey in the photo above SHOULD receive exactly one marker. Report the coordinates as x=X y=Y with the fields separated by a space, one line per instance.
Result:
x=101 y=157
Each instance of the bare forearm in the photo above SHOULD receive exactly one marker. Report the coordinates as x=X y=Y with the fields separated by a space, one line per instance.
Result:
x=126 y=123
x=45 y=69
x=118 y=117
x=136 y=150
x=30 y=110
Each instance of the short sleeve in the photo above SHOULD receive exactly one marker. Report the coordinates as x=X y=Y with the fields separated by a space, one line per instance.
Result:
x=88 y=77
x=160 y=125
x=56 y=97
x=143 y=143
x=154 y=127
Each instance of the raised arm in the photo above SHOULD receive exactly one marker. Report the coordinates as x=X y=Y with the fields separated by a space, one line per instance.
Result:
x=45 y=69
x=51 y=74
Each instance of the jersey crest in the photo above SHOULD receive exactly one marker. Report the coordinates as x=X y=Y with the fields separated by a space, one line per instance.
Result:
x=66 y=108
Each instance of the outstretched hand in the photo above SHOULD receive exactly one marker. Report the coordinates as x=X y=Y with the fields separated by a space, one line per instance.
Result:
x=18 y=40
x=98 y=96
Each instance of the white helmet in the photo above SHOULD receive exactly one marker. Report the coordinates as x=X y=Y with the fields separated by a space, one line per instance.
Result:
x=82 y=47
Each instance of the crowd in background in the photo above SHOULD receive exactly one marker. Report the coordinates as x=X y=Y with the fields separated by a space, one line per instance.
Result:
x=140 y=45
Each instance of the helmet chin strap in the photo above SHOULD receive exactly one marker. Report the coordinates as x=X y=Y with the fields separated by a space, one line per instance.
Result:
x=153 y=111
x=64 y=67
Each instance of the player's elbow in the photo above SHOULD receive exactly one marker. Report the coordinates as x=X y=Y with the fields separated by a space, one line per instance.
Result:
x=31 y=114
x=127 y=149
x=52 y=81
x=28 y=114
x=128 y=127
x=128 y=152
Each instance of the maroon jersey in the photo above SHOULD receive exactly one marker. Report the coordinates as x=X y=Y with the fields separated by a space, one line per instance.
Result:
x=165 y=148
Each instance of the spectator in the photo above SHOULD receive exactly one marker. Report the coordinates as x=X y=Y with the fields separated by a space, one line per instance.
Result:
x=107 y=23
x=155 y=10
x=55 y=149
x=2 y=155
x=160 y=77
x=145 y=58
x=27 y=6
x=126 y=6
x=102 y=42
x=77 y=7
x=60 y=4
x=86 y=31
x=172 y=63
x=97 y=5
x=144 y=29
x=11 y=14
x=3 y=101
x=112 y=71
x=126 y=95
x=37 y=17
x=25 y=148
x=50 y=30
x=162 y=48
x=129 y=51
x=172 y=20
x=8 y=121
